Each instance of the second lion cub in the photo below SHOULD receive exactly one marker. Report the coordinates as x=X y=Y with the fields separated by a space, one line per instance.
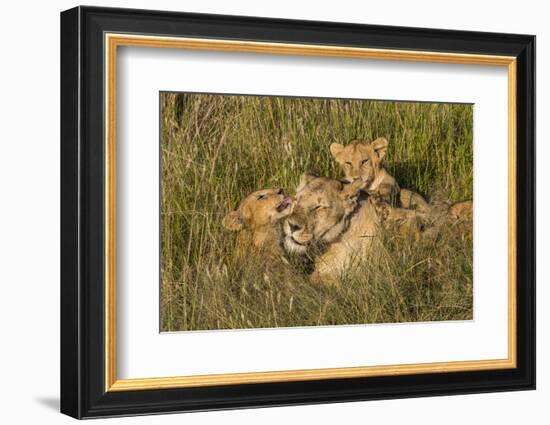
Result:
x=257 y=220
x=363 y=160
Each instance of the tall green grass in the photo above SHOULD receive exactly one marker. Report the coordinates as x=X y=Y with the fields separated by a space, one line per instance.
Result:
x=217 y=149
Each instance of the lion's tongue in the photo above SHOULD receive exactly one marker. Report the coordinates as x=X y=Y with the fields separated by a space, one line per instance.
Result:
x=287 y=200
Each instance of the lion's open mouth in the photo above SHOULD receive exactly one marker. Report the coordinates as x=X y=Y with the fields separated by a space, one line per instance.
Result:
x=287 y=201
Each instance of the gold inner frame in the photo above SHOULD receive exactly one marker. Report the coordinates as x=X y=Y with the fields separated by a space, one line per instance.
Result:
x=113 y=41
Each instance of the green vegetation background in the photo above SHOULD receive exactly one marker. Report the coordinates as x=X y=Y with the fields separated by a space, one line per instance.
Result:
x=216 y=149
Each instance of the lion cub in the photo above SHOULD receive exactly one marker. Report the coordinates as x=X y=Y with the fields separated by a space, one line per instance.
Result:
x=257 y=219
x=363 y=160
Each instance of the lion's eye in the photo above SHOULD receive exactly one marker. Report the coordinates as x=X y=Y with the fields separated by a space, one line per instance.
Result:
x=365 y=161
x=348 y=163
x=261 y=197
x=318 y=207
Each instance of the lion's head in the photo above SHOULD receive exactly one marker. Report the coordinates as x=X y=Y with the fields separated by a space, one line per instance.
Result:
x=319 y=216
x=259 y=209
x=360 y=159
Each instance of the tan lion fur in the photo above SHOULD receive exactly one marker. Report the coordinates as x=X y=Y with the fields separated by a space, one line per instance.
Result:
x=330 y=216
x=363 y=160
x=257 y=220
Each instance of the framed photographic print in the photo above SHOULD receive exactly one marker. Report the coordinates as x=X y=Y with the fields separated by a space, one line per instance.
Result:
x=261 y=212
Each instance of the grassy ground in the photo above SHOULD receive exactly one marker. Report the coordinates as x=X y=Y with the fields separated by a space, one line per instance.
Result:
x=217 y=149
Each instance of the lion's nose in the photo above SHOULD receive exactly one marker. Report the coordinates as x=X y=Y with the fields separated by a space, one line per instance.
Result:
x=294 y=227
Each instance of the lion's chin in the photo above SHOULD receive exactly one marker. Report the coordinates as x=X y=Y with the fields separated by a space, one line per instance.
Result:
x=292 y=247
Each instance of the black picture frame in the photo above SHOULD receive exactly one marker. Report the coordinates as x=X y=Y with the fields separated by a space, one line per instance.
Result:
x=82 y=212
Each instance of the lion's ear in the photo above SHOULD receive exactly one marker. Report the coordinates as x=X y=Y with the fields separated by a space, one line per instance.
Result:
x=233 y=221
x=380 y=146
x=305 y=179
x=336 y=149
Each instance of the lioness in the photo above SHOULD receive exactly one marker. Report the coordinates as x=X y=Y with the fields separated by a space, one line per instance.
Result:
x=257 y=219
x=334 y=219
x=363 y=160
